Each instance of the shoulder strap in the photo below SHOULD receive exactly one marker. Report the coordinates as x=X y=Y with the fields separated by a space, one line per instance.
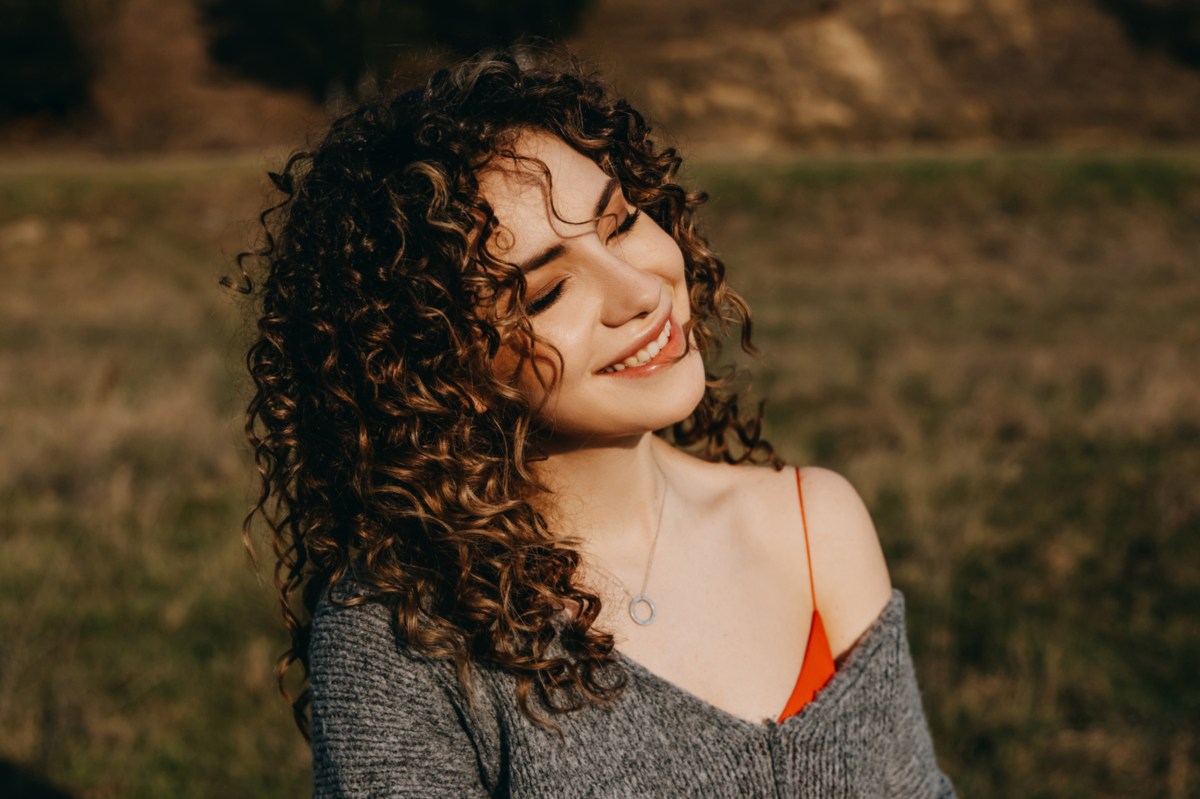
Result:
x=807 y=550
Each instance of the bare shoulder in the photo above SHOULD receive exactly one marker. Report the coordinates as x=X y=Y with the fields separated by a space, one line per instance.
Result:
x=851 y=576
x=758 y=504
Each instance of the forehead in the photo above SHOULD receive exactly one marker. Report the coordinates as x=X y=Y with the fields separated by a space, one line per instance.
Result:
x=540 y=195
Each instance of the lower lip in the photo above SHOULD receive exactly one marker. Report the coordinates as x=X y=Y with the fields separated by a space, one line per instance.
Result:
x=665 y=358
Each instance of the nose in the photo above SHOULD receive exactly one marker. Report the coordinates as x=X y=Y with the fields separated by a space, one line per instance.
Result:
x=629 y=291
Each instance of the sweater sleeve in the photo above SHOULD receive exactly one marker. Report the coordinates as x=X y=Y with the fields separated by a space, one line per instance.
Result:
x=383 y=722
x=913 y=771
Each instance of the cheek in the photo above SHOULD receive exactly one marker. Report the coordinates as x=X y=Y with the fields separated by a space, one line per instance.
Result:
x=669 y=256
x=667 y=247
x=679 y=285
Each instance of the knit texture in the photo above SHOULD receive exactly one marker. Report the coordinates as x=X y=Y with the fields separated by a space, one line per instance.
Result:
x=388 y=722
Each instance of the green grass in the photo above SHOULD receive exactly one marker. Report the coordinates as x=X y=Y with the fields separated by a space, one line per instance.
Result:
x=999 y=351
x=138 y=641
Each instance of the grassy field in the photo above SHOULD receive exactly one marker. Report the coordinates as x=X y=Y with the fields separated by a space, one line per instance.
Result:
x=1002 y=353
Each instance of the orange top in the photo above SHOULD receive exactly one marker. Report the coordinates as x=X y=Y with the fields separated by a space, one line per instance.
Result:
x=818 y=667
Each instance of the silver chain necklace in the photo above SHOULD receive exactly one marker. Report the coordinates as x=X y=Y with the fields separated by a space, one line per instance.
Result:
x=642 y=598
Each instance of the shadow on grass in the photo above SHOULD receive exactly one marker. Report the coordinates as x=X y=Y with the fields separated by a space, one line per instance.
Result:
x=18 y=783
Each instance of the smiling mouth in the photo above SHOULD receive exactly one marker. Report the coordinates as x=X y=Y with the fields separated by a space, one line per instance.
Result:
x=644 y=355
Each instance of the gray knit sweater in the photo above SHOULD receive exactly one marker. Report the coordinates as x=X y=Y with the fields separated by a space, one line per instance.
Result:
x=389 y=722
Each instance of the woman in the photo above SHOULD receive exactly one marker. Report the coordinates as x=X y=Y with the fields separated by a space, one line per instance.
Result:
x=522 y=546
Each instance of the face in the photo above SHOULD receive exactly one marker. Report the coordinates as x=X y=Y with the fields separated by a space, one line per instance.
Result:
x=606 y=288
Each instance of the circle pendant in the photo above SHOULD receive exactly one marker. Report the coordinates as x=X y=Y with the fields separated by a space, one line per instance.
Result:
x=633 y=609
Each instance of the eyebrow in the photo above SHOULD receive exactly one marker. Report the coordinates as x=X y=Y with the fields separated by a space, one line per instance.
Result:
x=558 y=250
x=542 y=258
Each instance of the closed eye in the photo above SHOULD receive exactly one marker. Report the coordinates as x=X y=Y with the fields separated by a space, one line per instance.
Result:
x=539 y=304
x=626 y=225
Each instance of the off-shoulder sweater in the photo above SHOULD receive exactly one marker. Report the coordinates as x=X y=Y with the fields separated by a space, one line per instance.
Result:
x=390 y=722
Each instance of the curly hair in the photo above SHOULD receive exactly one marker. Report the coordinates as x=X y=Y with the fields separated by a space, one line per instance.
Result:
x=391 y=458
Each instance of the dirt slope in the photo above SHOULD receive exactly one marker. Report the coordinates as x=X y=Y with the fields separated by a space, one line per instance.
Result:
x=827 y=73
x=776 y=74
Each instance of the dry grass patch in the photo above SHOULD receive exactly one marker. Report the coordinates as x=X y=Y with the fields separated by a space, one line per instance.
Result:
x=1000 y=353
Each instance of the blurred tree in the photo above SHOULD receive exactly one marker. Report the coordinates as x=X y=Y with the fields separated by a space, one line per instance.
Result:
x=1172 y=26
x=327 y=46
x=46 y=64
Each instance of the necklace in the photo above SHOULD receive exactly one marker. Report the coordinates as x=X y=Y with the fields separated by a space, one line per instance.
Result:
x=642 y=598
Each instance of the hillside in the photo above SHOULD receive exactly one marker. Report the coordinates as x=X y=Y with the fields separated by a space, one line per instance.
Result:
x=893 y=71
x=776 y=74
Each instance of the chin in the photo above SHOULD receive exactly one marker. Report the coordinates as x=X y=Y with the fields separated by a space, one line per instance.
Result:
x=690 y=399
x=633 y=409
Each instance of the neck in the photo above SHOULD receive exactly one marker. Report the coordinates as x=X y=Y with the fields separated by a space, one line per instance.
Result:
x=610 y=496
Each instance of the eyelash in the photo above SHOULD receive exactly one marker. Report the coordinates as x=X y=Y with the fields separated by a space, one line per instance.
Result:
x=543 y=302
x=627 y=225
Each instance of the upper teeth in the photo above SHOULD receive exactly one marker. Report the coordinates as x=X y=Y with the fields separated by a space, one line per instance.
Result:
x=645 y=355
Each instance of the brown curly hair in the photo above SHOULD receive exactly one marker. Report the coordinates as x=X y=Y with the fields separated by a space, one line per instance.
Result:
x=390 y=456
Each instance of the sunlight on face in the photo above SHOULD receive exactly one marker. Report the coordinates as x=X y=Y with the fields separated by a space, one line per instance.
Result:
x=606 y=288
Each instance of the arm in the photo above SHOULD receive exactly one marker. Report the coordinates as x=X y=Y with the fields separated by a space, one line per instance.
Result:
x=851 y=576
x=384 y=724
x=846 y=547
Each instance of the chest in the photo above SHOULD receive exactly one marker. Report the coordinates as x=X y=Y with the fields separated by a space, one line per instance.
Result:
x=864 y=736
x=731 y=621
